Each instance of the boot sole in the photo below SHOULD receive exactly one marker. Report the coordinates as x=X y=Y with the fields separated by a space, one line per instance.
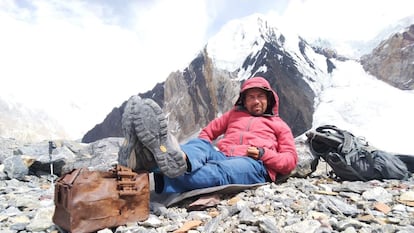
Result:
x=132 y=153
x=152 y=130
x=130 y=141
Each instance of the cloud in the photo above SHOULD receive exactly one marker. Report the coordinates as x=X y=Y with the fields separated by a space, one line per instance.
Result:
x=57 y=41
x=93 y=55
x=220 y=12
x=172 y=29
x=58 y=53
x=344 y=20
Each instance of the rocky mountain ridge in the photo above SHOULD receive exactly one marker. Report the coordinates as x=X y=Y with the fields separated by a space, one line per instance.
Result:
x=392 y=60
x=32 y=125
x=26 y=124
x=207 y=89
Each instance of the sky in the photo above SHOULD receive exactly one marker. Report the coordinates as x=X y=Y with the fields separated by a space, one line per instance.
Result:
x=93 y=55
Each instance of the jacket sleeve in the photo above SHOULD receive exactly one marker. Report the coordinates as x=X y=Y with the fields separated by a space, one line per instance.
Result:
x=215 y=128
x=284 y=159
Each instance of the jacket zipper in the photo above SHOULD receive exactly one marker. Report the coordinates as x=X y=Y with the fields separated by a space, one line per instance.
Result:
x=246 y=130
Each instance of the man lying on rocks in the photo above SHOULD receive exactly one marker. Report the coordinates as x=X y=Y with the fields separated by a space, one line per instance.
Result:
x=256 y=147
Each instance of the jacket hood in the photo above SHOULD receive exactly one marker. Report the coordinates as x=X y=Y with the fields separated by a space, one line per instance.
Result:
x=272 y=98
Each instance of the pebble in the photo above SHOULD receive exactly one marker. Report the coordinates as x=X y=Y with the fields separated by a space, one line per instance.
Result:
x=309 y=203
x=312 y=204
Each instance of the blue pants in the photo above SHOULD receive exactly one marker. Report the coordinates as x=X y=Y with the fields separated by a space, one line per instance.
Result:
x=210 y=167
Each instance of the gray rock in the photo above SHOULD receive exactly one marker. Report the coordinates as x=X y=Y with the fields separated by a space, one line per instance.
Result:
x=300 y=204
x=15 y=167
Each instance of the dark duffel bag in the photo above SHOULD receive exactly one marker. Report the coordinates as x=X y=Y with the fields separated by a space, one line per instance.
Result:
x=352 y=158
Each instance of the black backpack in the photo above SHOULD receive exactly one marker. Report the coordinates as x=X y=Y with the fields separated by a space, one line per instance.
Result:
x=352 y=158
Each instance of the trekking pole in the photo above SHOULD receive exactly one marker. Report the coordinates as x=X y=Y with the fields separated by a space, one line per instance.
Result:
x=51 y=147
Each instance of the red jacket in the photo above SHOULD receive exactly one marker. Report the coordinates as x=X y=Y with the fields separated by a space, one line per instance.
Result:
x=241 y=130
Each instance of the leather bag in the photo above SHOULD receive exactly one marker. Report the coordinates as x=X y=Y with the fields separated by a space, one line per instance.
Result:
x=88 y=201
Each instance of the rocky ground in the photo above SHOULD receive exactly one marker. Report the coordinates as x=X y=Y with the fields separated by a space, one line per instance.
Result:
x=313 y=203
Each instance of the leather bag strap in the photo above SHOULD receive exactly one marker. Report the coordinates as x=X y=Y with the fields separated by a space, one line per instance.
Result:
x=126 y=180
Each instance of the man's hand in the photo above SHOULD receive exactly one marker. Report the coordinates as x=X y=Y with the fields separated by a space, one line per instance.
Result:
x=254 y=152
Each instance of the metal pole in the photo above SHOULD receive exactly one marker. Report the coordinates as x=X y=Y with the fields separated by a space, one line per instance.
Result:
x=51 y=147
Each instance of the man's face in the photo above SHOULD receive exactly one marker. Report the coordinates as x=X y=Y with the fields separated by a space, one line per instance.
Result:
x=255 y=101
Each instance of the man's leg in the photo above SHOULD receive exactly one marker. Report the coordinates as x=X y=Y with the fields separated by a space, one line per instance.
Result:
x=199 y=152
x=210 y=167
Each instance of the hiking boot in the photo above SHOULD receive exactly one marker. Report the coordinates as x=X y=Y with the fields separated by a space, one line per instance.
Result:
x=152 y=131
x=132 y=153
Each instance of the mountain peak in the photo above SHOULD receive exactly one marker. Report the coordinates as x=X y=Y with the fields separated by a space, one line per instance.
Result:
x=241 y=38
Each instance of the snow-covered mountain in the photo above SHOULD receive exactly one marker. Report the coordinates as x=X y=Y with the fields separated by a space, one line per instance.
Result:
x=354 y=49
x=27 y=124
x=32 y=122
x=388 y=31
x=314 y=89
